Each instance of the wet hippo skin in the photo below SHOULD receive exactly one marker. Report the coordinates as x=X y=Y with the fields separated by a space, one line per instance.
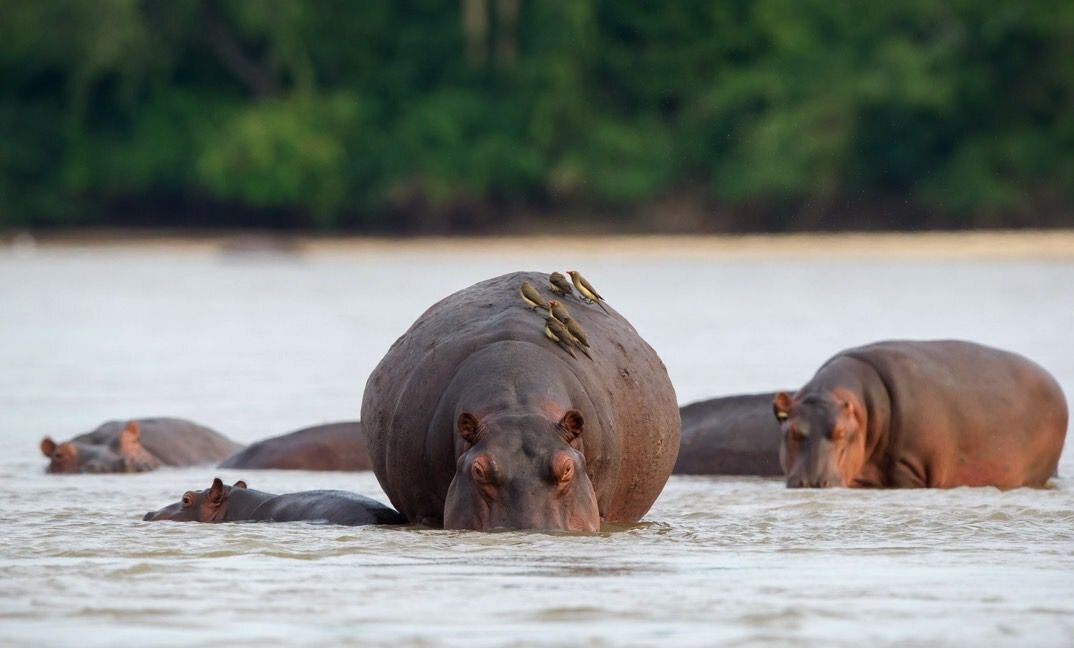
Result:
x=475 y=420
x=237 y=503
x=138 y=445
x=940 y=414
x=733 y=435
x=332 y=446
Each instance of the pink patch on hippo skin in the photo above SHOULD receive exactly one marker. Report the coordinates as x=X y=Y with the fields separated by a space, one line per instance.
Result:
x=551 y=410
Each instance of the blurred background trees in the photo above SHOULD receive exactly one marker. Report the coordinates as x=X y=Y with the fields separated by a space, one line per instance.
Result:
x=432 y=116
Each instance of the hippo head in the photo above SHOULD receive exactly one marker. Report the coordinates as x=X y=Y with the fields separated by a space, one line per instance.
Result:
x=209 y=505
x=521 y=472
x=823 y=440
x=124 y=454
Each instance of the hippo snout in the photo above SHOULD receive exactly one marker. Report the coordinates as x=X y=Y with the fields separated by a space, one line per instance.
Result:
x=801 y=482
x=148 y=517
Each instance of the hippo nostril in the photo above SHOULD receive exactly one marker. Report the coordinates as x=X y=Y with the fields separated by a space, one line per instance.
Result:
x=148 y=517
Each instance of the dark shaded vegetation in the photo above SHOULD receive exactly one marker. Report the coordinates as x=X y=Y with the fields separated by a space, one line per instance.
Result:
x=481 y=115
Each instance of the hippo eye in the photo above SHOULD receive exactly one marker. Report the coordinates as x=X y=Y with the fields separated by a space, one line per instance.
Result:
x=188 y=501
x=563 y=469
x=482 y=471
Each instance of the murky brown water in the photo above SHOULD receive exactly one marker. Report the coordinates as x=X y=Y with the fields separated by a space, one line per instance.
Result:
x=262 y=345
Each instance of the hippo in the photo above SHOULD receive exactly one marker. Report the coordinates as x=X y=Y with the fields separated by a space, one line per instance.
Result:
x=733 y=435
x=138 y=445
x=332 y=446
x=237 y=503
x=931 y=414
x=474 y=419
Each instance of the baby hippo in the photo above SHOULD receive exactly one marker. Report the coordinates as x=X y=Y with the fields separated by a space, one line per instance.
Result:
x=237 y=503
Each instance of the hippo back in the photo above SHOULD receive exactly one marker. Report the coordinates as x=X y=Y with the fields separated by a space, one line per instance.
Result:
x=632 y=419
x=332 y=446
x=734 y=435
x=173 y=441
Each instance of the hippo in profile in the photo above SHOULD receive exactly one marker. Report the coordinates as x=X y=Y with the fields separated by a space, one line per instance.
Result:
x=476 y=420
x=733 y=435
x=939 y=414
x=237 y=503
x=332 y=446
x=138 y=445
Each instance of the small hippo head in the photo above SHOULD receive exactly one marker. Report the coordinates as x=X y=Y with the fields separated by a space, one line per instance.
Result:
x=124 y=454
x=823 y=440
x=209 y=505
x=521 y=472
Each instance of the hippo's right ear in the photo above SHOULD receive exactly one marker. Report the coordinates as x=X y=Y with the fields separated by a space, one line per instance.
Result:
x=468 y=427
x=781 y=406
x=216 y=491
x=239 y=484
x=48 y=447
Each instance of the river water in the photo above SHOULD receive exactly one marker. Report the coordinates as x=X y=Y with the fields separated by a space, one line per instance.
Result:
x=256 y=345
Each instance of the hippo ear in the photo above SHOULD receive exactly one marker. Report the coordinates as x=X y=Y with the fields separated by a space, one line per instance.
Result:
x=48 y=446
x=781 y=406
x=239 y=484
x=571 y=425
x=468 y=428
x=216 y=491
x=129 y=437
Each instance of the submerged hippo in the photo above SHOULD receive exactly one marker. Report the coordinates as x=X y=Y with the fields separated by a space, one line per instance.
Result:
x=475 y=419
x=923 y=414
x=734 y=435
x=237 y=503
x=138 y=445
x=332 y=446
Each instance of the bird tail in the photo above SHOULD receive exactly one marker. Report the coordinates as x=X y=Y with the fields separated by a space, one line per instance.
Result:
x=602 y=307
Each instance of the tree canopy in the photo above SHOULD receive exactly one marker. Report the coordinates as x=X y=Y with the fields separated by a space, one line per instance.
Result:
x=418 y=115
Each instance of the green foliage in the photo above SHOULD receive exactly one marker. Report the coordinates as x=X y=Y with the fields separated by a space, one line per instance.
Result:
x=397 y=114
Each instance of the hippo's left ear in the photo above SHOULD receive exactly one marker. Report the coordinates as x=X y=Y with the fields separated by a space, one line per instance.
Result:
x=48 y=447
x=781 y=406
x=571 y=426
x=216 y=491
x=129 y=437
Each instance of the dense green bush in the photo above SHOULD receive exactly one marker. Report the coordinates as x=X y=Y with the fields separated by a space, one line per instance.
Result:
x=423 y=115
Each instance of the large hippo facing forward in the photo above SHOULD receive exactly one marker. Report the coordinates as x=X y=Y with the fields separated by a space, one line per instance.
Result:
x=733 y=435
x=138 y=445
x=938 y=414
x=476 y=420
x=331 y=446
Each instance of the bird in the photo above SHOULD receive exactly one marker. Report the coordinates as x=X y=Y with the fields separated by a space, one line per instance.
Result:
x=558 y=311
x=532 y=296
x=586 y=289
x=559 y=284
x=555 y=331
x=577 y=335
x=575 y=329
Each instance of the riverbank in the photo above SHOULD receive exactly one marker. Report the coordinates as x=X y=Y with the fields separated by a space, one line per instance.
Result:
x=992 y=245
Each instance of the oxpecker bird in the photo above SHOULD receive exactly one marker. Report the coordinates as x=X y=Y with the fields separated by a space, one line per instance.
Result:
x=532 y=296
x=577 y=335
x=585 y=289
x=558 y=311
x=559 y=284
x=555 y=331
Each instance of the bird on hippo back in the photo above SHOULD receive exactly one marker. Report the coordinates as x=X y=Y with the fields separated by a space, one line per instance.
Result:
x=474 y=419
